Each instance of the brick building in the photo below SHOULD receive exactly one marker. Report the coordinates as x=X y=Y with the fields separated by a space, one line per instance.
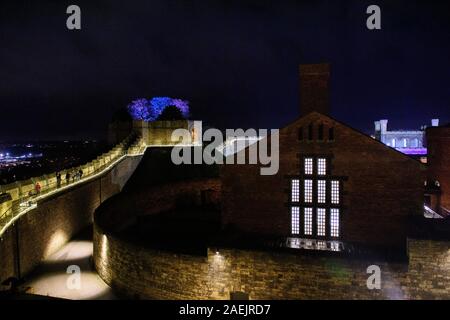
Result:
x=438 y=173
x=334 y=184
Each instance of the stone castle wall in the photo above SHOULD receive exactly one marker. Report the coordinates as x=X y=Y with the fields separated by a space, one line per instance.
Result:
x=150 y=274
x=138 y=272
x=19 y=190
x=43 y=230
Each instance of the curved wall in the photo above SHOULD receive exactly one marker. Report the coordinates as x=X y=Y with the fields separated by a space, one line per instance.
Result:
x=138 y=272
x=141 y=273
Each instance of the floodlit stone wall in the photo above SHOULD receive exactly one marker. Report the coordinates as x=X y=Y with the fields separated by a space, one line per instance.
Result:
x=142 y=273
x=56 y=219
x=21 y=189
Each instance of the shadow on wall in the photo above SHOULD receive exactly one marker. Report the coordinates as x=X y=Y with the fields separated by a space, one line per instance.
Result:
x=157 y=168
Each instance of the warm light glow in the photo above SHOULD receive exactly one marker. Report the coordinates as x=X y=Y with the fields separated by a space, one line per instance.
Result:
x=74 y=250
x=57 y=240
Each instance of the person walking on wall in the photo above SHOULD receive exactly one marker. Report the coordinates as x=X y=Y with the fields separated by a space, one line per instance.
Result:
x=67 y=177
x=58 y=179
x=80 y=174
x=37 y=188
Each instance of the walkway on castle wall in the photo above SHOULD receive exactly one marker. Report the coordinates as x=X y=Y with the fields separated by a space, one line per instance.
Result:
x=27 y=203
x=52 y=279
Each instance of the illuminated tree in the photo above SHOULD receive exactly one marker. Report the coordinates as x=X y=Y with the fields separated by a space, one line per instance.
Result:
x=171 y=113
x=139 y=109
x=150 y=110
x=183 y=105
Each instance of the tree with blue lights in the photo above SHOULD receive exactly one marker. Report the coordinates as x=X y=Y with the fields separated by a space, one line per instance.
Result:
x=150 y=110
x=139 y=109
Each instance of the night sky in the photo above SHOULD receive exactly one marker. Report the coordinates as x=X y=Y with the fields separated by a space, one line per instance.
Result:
x=235 y=61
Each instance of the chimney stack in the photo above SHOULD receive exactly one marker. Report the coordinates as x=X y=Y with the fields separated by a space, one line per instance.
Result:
x=314 y=88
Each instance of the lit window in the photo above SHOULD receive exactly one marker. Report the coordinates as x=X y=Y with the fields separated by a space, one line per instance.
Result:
x=321 y=191
x=334 y=246
x=308 y=165
x=321 y=166
x=334 y=222
x=316 y=201
x=405 y=143
x=321 y=245
x=335 y=192
x=308 y=221
x=295 y=190
x=321 y=222
x=393 y=143
x=308 y=191
x=295 y=220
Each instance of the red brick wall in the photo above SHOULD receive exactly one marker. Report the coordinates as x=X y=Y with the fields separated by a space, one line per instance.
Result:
x=438 y=143
x=314 y=88
x=384 y=187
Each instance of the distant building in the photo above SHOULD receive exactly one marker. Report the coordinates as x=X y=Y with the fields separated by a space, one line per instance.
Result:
x=410 y=142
